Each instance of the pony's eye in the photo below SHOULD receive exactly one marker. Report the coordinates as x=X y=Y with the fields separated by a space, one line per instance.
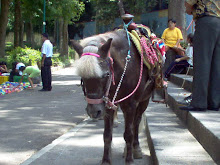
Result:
x=106 y=75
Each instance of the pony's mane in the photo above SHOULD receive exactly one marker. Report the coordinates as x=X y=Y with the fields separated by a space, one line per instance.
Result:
x=88 y=66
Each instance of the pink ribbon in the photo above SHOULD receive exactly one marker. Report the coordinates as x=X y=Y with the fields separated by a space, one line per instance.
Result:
x=90 y=54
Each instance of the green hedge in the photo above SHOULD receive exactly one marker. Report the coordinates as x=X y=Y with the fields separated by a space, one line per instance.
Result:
x=30 y=56
x=25 y=55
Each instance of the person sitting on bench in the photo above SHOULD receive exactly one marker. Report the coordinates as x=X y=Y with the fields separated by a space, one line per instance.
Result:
x=182 y=62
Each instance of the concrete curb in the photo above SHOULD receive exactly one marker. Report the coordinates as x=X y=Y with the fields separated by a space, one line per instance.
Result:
x=169 y=140
x=203 y=125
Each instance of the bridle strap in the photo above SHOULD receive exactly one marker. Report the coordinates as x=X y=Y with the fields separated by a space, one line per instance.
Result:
x=90 y=54
x=108 y=85
x=94 y=101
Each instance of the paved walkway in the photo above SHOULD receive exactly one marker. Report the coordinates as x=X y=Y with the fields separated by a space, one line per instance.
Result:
x=83 y=145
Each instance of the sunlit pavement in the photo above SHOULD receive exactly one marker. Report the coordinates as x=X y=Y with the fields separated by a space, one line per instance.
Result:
x=30 y=120
x=51 y=128
x=83 y=145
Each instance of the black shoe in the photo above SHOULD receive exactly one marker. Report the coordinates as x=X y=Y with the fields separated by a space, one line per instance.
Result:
x=191 y=108
x=188 y=98
x=187 y=101
x=43 y=90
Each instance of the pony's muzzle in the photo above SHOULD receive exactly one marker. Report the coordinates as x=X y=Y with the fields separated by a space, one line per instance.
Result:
x=95 y=111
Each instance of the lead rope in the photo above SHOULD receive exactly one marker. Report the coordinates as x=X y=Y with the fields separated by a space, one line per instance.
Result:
x=139 y=81
x=128 y=58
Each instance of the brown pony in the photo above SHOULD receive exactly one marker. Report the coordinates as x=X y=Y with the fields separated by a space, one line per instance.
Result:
x=98 y=75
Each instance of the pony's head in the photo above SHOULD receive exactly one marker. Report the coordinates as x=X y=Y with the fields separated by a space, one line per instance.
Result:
x=94 y=69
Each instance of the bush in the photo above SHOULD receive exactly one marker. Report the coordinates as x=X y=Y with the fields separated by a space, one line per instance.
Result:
x=184 y=44
x=72 y=53
x=9 y=46
x=25 y=55
x=30 y=56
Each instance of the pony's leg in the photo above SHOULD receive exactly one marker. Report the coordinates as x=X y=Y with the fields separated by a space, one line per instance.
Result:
x=129 y=113
x=136 y=146
x=108 y=120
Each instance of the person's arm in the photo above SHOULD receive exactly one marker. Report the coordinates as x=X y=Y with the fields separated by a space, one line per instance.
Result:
x=31 y=82
x=182 y=58
x=43 y=59
x=163 y=36
x=177 y=43
x=189 y=4
x=182 y=49
x=21 y=79
x=189 y=7
x=4 y=68
x=44 y=52
x=179 y=37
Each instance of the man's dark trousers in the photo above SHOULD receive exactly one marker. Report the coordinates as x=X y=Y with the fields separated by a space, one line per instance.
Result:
x=206 y=63
x=46 y=74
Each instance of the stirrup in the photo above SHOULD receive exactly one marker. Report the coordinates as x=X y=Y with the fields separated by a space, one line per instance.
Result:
x=164 y=100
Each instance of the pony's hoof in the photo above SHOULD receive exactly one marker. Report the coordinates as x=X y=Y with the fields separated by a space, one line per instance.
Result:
x=129 y=163
x=115 y=125
x=105 y=163
x=137 y=154
x=125 y=152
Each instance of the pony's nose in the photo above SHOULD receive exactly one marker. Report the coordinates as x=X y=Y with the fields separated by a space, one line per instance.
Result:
x=98 y=114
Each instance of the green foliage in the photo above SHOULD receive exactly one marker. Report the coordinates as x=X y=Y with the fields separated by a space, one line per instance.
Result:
x=67 y=9
x=72 y=53
x=9 y=46
x=58 y=60
x=25 y=55
x=108 y=10
x=184 y=44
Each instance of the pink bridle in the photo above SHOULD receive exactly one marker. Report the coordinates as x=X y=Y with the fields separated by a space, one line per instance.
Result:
x=90 y=54
x=110 y=80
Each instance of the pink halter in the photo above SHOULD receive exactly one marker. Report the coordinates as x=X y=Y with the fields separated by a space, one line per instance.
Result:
x=91 y=54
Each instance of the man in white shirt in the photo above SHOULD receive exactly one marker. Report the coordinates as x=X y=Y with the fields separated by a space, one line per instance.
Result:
x=46 y=62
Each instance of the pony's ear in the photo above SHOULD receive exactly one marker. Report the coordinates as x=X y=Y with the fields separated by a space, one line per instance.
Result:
x=103 y=50
x=78 y=48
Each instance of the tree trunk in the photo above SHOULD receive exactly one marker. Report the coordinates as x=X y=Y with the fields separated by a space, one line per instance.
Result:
x=56 y=34
x=65 y=38
x=176 y=10
x=30 y=35
x=160 y=4
x=17 y=22
x=3 y=25
x=61 y=35
x=55 y=37
x=21 y=34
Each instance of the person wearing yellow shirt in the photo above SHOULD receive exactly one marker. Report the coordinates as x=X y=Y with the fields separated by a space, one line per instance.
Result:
x=172 y=37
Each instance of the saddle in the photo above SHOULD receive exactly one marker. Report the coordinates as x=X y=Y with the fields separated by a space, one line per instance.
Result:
x=142 y=37
x=155 y=69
